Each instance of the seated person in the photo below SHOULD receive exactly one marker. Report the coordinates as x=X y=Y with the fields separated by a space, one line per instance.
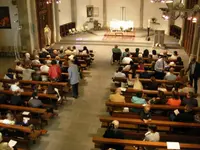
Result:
x=153 y=85
x=48 y=60
x=27 y=73
x=145 y=74
x=174 y=100
x=160 y=99
x=138 y=99
x=117 y=97
x=137 y=84
x=152 y=135
x=113 y=132
x=190 y=100
x=43 y=53
x=68 y=51
x=162 y=87
x=19 y=66
x=74 y=50
x=145 y=53
x=125 y=53
x=61 y=54
x=16 y=99
x=36 y=61
x=141 y=65
x=54 y=71
x=10 y=75
x=182 y=77
x=4 y=145
x=116 y=54
x=128 y=67
x=179 y=61
x=127 y=59
x=34 y=101
x=145 y=114
x=174 y=56
x=37 y=75
x=170 y=76
x=54 y=53
x=10 y=120
x=15 y=87
x=136 y=54
x=186 y=116
x=187 y=89
x=119 y=73
x=44 y=68
x=154 y=54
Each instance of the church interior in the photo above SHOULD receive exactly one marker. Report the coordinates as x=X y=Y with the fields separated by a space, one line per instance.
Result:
x=99 y=74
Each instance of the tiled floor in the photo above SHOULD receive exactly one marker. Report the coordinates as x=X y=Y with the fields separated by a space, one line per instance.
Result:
x=78 y=121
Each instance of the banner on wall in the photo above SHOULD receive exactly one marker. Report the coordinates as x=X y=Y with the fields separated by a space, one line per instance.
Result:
x=5 y=22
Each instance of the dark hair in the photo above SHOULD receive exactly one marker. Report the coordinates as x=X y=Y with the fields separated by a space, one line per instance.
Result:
x=120 y=69
x=44 y=62
x=127 y=55
x=146 y=68
x=131 y=63
x=154 y=52
x=152 y=127
x=18 y=63
x=175 y=95
x=137 y=50
x=85 y=49
x=179 y=59
x=191 y=94
x=61 y=51
x=139 y=94
x=146 y=53
x=34 y=94
x=111 y=126
x=74 y=47
x=175 y=53
x=127 y=50
x=53 y=62
x=10 y=70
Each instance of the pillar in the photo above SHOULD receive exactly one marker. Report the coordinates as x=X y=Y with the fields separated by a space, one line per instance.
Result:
x=74 y=11
x=104 y=14
x=182 y=28
x=196 y=36
x=56 y=24
x=29 y=39
x=141 y=13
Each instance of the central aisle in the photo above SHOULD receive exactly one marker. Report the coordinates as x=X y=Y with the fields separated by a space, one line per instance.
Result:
x=78 y=122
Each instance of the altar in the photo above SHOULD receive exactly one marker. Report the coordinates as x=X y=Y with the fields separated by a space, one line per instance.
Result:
x=120 y=25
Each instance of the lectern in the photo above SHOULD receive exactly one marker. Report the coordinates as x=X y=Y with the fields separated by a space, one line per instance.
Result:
x=159 y=38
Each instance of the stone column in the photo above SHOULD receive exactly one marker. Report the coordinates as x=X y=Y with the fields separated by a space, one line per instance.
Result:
x=104 y=14
x=198 y=51
x=182 y=28
x=141 y=13
x=74 y=11
x=56 y=24
x=25 y=21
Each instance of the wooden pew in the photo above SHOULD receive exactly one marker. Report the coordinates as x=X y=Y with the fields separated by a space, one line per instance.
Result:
x=29 y=94
x=151 y=72
x=138 y=122
x=121 y=79
x=153 y=107
x=177 y=67
x=131 y=91
x=130 y=143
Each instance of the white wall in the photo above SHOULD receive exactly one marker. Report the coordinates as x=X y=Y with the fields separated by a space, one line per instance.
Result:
x=82 y=14
x=64 y=12
x=152 y=10
x=7 y=35
x=132 y=10
x=179 y=22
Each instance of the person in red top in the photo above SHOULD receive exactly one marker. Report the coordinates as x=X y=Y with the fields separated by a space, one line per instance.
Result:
x=54 y=71
x=174 y=100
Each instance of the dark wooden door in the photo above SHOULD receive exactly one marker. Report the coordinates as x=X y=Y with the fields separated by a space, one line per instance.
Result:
x=189 y=29
x=44 y=17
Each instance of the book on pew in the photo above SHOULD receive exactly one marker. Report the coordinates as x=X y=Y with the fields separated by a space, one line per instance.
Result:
x=25 y=113
x=176 y=112
x=173 y=145
x=12 y=143
x=123 y=89
x=25 y=120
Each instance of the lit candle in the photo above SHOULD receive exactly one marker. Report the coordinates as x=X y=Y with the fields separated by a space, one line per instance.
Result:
x=149 y=23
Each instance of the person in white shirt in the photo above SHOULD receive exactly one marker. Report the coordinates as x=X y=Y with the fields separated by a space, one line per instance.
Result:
x=44 y=68
x=127 y=59
x=15 y=87
x=36 y=61
x=27 y=73
x=160 y=67
x=19 y=66
x=174 y=56
x=154 y=54
x=10 y=120
x=119 y=73
x=48 y=60
x=68 y=51
x=152 y=136
x=74 y=50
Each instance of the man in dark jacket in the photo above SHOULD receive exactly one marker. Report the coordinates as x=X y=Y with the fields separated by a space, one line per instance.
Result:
x=194 y=73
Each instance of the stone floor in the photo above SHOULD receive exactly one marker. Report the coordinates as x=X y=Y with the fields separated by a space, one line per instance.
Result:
x=78 y=121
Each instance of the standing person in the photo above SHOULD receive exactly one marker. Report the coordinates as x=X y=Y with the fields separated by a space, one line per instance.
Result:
x=116 y=54
x=74 y=78
x=194 y=73
x=160 y=67
x=54 y=71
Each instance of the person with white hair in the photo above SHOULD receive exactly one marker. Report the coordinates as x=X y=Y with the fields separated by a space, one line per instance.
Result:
x=27 y=59
x=114 y=133
x=36 y=61
x=4 y=145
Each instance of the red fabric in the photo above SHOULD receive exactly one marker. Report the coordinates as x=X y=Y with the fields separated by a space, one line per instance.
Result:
x=54 y=72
